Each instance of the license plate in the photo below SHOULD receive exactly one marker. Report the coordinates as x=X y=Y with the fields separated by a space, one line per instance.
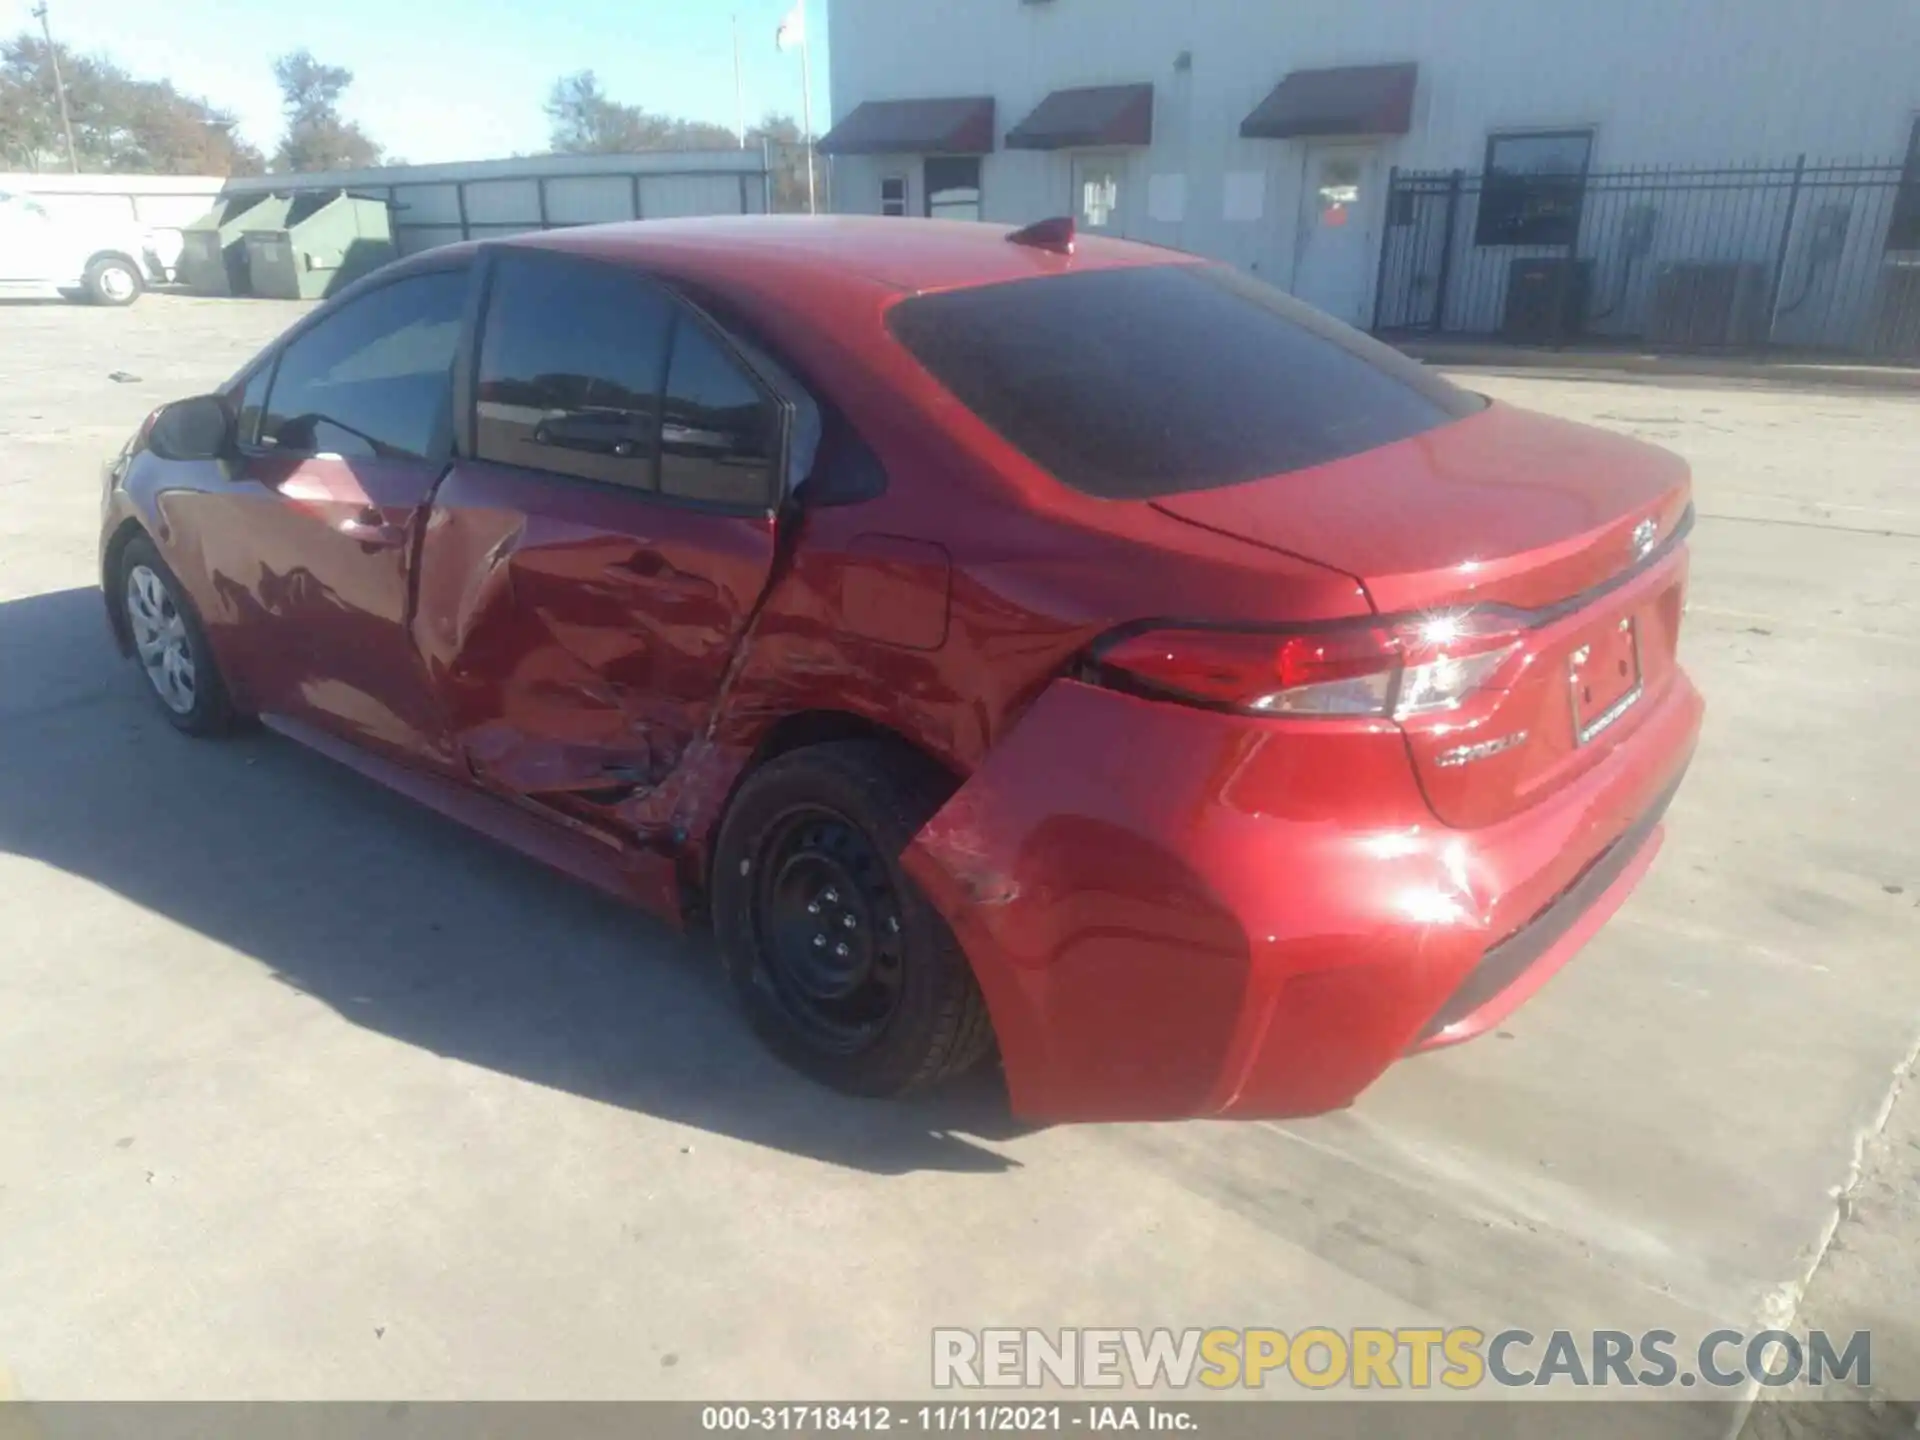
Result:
x=1603 y=679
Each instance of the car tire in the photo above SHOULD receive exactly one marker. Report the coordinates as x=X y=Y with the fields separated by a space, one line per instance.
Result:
x=113 y=280
x=844 y=969
x=170 y=645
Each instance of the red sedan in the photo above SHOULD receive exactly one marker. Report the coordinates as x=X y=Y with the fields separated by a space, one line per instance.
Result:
x=1066 y=648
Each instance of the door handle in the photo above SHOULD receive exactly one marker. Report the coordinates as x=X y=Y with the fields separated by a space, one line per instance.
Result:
x=372 y=531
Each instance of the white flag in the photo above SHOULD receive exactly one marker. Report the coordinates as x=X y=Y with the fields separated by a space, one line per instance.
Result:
x=793 y=30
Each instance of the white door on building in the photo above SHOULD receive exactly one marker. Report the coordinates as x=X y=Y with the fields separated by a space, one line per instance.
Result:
x=1334 y=252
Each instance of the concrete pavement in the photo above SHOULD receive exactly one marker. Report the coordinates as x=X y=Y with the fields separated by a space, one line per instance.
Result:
x=308 y=1093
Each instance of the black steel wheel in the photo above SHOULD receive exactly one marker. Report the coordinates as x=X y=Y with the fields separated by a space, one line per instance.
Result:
x=843 y=968
x=826 y=922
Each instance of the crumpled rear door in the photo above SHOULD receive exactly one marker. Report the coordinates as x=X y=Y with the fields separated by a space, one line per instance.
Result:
x=580 y=637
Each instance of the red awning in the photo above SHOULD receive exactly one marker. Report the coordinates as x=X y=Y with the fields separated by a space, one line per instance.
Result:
x=914 y=127
x=1099 y=115
x=1351 y=100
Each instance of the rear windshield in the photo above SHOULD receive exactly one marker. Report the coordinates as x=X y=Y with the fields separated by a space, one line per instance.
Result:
x=1133 y=383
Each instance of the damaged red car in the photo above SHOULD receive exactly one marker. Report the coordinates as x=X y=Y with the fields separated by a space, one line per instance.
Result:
x=1010 y=643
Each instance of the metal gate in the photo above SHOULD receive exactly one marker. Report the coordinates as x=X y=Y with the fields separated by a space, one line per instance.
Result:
x=1809 y=256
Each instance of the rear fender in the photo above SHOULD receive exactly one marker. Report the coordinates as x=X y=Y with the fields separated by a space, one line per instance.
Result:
x=1135 y=883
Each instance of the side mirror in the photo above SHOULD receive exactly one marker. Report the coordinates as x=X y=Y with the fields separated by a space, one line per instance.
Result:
x=196 y=429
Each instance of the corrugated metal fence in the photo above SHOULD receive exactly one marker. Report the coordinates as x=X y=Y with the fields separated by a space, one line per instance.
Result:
x=439 y=204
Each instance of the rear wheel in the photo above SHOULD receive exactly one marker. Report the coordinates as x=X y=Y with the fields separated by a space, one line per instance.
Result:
x=170 y=645
x=845 y=970
x=113 y=280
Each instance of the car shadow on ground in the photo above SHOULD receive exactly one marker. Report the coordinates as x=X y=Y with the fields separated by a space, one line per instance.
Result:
x=407 y=924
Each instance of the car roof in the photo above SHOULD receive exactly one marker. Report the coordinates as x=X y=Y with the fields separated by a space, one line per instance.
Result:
x=863 y=251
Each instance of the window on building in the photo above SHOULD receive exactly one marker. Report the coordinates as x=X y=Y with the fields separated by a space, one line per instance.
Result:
x=1096 y=191
x=1904 y=232
x=1533 y=187
x=571 y=359
x=953 y=187
x=893 y=195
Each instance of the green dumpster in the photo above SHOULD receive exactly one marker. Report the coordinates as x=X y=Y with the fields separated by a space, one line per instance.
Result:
x=327 y=240
x=213 y=253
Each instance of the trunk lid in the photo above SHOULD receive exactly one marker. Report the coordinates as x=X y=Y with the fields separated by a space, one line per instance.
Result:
x=1504 y=506
x=1573 y=526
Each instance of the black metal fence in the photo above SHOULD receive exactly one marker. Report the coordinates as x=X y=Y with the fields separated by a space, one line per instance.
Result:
x=1806 y=256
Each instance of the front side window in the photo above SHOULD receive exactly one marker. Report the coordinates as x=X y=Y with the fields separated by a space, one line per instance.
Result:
x=1533 y=188
x=572 y=357
x=253 y=404
x=374 y=378
x=1151 y=380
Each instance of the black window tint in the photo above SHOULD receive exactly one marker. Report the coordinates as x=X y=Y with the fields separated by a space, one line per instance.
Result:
x=1533 y=188
x=375 y=377
x=718 y=434
x=571 y=361
x=253 y=402
x=1128 y=384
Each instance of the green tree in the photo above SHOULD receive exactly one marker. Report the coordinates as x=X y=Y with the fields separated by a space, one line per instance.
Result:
x=318 y=137
x=787 y=158
x=119 y=122
x=583 y=119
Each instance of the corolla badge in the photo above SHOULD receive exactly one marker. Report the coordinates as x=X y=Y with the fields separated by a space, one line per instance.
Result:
x=1645 y=536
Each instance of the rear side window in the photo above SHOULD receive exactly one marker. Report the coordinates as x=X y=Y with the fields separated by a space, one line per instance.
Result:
x=1130 y=384
x=571 y=362
x=718 y=433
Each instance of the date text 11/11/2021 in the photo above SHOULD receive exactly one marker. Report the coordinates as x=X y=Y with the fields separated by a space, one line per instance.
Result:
x=939 y=1419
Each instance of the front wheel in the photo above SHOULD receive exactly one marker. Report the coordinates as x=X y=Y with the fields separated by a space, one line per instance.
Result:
x=170 y=644
x=113 y=280
x=845 y=970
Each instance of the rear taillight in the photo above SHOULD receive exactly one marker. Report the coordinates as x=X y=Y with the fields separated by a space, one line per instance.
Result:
x=1414 y=665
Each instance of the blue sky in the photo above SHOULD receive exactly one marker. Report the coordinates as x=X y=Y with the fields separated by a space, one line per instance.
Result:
x=453 y=79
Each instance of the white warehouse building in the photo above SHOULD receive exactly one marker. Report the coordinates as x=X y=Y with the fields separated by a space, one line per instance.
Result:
x=1286 y=137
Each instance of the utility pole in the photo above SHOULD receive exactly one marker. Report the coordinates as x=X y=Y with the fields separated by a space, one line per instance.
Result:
x=739 y=89
x=793 y=34
x=39 y=12
x=806 y=114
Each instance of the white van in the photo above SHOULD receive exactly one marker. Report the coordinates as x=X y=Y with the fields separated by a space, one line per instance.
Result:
x=42 y=254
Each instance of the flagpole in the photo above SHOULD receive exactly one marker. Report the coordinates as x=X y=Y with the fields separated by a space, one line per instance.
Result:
x=806 y=103
x=739 y=89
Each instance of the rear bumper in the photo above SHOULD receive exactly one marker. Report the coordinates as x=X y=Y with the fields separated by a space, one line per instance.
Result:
x=1514 y=968
x=1173 y=912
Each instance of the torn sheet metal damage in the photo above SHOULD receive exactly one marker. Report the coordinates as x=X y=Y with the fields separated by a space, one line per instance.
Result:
x=579 y=653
